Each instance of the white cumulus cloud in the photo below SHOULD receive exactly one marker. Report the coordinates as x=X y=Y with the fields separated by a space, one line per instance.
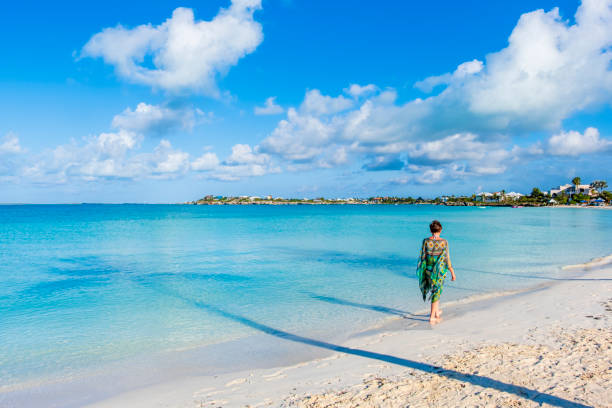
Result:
x=270 y=107
x=298 y=138
x=241 y=171
x=208 y=161
x=573 y=143
x=156 y=119
x=356 y=90
x=185 y=54
x=108 y=155
x=460 y=146
x=463 y=70
x=115 y=144
x=167 y=160
x=11 y=156
x=9 y=144
x=430 y=176
x=244 y=161
x=244 y=154
x=549 y=71
x=317 y=103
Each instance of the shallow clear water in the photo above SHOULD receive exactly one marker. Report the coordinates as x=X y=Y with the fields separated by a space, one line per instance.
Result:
x=84 y=285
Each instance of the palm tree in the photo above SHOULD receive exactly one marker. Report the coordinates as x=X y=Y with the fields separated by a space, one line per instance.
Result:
x=602 y=184
x=576 y=182
x=599 y=185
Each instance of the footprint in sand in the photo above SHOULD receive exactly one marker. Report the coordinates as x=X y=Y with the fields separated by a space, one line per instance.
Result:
x=275 y=376
x=381 y=366
x=278 y=377
x=237 y=381
x=368 y=375
x=218 y=402
x=202 y=392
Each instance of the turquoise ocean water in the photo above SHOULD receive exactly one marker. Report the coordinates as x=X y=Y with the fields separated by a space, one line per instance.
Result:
x=83 y=287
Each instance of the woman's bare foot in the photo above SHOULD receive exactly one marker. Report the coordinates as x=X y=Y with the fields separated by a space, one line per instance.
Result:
x=434 y=320
x=439 y=314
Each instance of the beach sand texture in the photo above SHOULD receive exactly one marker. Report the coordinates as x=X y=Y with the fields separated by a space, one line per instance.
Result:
x=547 y=346
x=574 y=372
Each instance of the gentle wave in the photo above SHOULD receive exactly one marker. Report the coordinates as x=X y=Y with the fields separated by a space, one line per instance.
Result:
x=593 y=263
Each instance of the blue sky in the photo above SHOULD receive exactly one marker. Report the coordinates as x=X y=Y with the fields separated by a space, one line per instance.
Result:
x=133 y=102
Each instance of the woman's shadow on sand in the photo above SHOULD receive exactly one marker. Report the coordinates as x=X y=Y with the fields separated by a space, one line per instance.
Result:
x=481 y=381
x=376 y=308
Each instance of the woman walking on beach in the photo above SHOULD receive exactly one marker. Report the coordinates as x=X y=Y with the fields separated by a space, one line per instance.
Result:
x=434 y=263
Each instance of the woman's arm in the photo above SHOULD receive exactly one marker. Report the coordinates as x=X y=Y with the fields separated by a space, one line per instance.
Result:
x=423 y=251
x=448 y=262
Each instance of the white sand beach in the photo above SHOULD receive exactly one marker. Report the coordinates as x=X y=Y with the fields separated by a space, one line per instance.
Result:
x=547 y=346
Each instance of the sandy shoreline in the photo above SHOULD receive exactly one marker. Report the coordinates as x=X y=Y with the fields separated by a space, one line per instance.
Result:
x=597 y=207
x=550 y=345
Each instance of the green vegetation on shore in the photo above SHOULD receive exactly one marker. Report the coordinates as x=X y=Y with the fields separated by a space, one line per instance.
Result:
x=537 y=198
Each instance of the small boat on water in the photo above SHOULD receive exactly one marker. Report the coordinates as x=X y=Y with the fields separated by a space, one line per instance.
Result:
x=482 y=207
x=517 y=206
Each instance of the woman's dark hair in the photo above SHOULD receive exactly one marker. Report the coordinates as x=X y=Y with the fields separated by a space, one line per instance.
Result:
x=435 y=226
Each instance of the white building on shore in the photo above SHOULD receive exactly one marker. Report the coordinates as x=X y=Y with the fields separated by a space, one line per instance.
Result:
x=485 y=197
x=561 y=189
x=497 y=196
x=571 y=189
x=513 y=195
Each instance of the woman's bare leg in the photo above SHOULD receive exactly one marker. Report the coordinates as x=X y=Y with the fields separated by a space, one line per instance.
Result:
x=434 y=316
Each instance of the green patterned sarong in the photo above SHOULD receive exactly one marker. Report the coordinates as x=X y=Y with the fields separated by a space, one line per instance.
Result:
x=432 y=268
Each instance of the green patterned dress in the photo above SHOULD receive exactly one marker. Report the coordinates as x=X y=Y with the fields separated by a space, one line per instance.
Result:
x=433 y=266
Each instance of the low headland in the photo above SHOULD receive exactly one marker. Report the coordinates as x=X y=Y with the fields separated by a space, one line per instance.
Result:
x=575 y=194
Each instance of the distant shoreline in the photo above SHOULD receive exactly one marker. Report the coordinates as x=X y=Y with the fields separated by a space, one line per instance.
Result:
x=288 y=203
x=404 y=204
x=515 y=201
